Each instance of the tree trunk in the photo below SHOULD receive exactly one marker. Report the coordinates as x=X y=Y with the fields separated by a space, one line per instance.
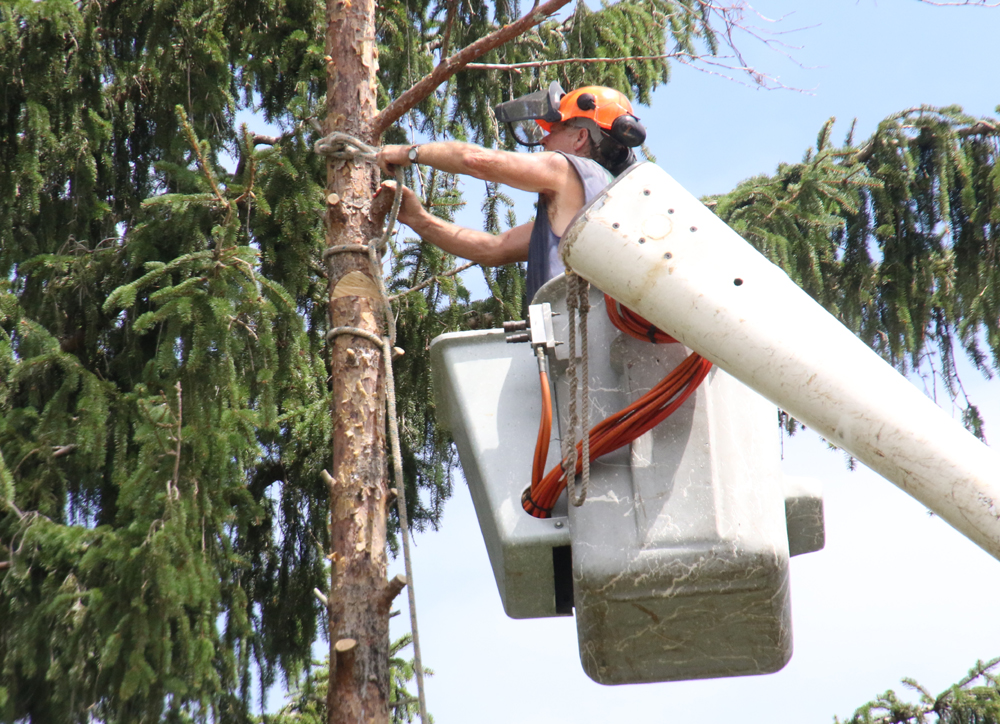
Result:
x=359 y=597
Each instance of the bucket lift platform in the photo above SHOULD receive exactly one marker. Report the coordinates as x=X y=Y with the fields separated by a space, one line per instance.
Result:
x=677 y=564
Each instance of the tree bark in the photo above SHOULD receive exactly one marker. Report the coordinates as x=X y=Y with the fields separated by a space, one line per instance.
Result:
x=358 y=599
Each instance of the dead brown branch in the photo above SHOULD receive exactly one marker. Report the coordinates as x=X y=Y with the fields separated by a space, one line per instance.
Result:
x=447 y=68
x=63 y=450
x=448 y=24
x=260 y=139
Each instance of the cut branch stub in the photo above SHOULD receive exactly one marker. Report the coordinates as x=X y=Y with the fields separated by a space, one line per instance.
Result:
x=345 y=646
x=392 y=589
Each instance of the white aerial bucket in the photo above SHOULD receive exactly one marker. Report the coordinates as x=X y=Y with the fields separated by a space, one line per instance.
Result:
x=676 y=566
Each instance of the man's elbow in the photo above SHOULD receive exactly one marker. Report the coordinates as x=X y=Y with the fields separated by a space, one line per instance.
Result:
x=489 y=256
x=503 y=249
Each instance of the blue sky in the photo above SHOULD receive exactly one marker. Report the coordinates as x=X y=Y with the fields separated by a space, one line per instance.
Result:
x=897 y=592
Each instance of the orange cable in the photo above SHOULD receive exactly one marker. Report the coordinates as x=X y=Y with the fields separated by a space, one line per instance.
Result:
x=620 y=428
x=544 y=431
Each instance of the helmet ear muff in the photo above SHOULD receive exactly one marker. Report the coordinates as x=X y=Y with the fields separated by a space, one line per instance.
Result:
x=627 y=131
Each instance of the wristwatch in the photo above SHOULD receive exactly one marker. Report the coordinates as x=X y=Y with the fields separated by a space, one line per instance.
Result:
x=412 y=153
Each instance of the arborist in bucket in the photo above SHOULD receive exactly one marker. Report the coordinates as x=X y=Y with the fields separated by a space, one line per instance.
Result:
x=587 y=136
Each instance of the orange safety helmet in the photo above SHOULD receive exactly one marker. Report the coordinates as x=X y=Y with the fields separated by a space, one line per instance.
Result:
x=605 y=112
x=607 y=108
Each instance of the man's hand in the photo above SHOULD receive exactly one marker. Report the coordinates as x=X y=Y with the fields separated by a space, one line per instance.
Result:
x=411 y=211
x=389 y=157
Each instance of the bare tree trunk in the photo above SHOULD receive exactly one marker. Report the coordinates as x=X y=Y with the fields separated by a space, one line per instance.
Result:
x=359 y=596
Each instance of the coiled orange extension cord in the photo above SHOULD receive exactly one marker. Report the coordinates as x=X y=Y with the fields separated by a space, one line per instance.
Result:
x=620 y=428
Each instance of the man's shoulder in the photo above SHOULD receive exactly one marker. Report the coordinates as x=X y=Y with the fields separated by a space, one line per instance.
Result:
x=588 y=169
x=583 y=164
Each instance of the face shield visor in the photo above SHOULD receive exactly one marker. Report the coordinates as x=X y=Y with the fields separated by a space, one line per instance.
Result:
x=526 y=116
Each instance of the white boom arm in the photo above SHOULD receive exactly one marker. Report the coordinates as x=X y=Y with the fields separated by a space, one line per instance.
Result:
x=656 y=249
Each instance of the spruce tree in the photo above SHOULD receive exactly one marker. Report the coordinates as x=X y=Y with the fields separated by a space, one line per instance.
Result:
x=897 y=235
x=169 y=399
x=974 y=699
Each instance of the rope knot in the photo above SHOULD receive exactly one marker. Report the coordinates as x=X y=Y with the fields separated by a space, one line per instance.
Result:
x=344 y=146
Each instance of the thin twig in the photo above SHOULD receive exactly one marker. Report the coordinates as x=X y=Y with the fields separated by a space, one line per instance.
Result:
x=245 y=326
x=566 y=61
x=427 y=282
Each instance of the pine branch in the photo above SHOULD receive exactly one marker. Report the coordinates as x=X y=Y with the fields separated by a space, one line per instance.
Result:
x=196 y=147
x=980 y=669
x=983 y=128
x=899 y=712
x=447 y=68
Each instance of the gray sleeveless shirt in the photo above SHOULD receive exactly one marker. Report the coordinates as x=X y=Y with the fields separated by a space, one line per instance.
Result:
x=543 y=252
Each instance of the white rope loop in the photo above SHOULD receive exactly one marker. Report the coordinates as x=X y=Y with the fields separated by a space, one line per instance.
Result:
x=343 y=146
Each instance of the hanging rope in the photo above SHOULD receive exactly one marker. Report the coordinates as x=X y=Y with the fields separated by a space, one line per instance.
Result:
x=569 y=435
x=577 y=307
x=342 y=146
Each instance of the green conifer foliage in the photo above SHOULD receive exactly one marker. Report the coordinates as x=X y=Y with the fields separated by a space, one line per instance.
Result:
x=898 y=236
x=164 y=391
x=975 y=699
x=165 y=395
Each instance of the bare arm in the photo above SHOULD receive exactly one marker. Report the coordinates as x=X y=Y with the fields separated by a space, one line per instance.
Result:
x=545 y=173
x=478 y=246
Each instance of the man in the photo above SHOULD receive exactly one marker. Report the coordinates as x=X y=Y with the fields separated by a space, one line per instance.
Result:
x=589 y=136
